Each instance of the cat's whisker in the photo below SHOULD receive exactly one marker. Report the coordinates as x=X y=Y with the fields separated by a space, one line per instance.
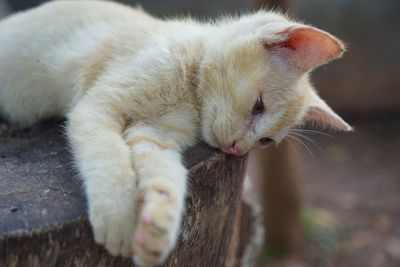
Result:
x=315 y=143
x=311 y=132
x=303 y=134
x=291 y=144
x=302 y=143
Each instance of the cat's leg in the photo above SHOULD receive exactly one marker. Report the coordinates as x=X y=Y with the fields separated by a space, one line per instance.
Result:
x=162 y=184
x=103 y=160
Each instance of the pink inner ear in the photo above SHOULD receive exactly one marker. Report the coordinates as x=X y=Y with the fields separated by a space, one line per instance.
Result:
x=326 y=120
x=306 y=48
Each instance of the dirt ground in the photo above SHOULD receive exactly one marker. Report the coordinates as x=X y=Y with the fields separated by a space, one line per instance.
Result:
x=351 y=215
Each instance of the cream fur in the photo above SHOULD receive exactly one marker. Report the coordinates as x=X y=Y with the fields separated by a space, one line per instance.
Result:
x=137 y=91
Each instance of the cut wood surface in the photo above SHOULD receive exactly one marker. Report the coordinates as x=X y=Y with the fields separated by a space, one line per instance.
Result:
x=43 y=220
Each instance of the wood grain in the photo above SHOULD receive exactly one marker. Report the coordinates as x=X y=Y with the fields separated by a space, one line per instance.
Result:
x=43 y=220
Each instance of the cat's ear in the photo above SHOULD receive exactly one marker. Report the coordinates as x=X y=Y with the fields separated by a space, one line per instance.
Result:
x=304 y=48
x=321 y=114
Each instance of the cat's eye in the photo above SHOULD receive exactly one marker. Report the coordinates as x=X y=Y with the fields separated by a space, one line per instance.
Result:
x=258 y=107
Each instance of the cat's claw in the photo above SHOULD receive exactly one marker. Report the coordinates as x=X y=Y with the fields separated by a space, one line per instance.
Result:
x=156 y=231
x=113 y=225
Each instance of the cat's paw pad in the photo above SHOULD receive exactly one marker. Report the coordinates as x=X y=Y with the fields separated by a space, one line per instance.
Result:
x=157 y=229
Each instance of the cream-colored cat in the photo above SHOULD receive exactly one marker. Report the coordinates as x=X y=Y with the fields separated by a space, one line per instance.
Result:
x=137 y=91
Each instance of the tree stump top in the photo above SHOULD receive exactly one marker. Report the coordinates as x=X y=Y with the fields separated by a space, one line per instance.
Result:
x=43 y=210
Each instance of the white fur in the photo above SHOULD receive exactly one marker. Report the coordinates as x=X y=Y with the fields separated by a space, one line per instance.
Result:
x=137 y=91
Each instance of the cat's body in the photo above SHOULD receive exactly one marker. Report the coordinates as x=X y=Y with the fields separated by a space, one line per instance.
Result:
x=137 y=91
x=63 y=57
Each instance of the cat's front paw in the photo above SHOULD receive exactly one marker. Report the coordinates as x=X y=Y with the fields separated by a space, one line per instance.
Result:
x=157 y=228
x=112 y=225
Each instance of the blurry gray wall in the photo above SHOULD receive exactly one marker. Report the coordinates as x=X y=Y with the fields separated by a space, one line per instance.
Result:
x=4 y=8
x=166 y=7
x=194 y=7
x=366 y=81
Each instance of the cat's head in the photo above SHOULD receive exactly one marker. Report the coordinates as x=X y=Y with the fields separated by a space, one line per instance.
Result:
x=254 y=81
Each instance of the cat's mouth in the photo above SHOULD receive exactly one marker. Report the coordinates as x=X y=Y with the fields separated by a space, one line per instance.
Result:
x=264 y=142
x=234 y=149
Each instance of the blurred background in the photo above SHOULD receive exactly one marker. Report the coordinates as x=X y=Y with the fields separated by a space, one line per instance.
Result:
x=347 y=190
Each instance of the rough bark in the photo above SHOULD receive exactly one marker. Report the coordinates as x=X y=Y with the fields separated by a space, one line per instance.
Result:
x=43 y=220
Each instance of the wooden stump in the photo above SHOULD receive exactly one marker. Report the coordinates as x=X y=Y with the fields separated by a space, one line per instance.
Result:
x=43 y=220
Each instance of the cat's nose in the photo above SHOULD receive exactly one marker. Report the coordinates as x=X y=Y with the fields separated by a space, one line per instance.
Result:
x=234 y=149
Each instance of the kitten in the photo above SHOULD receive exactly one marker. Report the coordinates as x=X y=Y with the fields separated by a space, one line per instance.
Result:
x=137 y=91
